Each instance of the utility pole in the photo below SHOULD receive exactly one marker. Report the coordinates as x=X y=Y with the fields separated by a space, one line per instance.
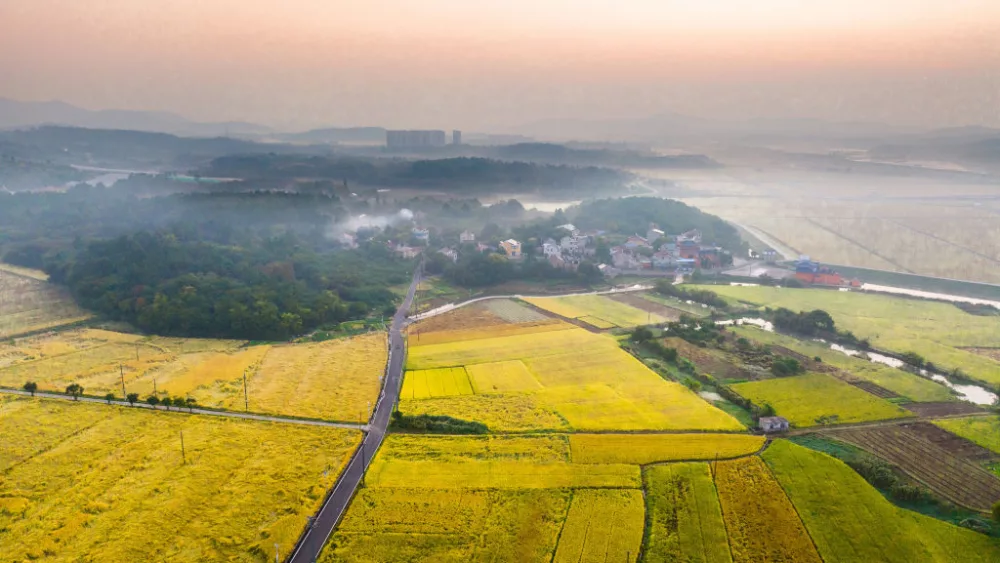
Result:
x=246 y=396
x=121 y=370
x=137 y=351
x=154 y=386
x=183 y=455
x=276 y=558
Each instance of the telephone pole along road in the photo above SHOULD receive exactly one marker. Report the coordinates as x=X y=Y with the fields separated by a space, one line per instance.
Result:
x=333 y=509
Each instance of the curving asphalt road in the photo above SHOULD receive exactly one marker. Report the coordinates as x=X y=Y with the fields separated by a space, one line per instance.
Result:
x=308 y=549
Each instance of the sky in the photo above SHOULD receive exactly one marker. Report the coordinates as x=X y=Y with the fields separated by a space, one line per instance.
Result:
x=498 y=64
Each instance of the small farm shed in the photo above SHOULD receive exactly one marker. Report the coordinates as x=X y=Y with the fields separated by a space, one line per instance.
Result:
x=772 y=423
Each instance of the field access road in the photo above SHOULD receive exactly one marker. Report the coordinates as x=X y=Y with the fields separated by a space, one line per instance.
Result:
x=310 y=545
x=452 y=306
x=209 y=412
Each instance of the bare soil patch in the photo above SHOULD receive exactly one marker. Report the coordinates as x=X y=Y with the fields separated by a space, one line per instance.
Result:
x=947 y=474
x=951 y=443
x=469 y=317
x=714 y=362
x=638 y=302
x=991 y=353
x=932 y=410
x=874 y=389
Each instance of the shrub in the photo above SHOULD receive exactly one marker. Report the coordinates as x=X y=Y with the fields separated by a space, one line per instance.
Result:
x=875 y=471
x=436 y=424
x=784 y=367
x=907 y=493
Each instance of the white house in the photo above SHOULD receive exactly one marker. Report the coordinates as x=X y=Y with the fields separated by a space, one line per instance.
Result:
x=654 y=234
x=550 y=248
x=467 y=236
x=421 y=234
x=450 y=253
x=772 y=423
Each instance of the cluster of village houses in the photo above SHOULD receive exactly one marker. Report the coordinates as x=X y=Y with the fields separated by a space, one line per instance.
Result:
x=655 y=251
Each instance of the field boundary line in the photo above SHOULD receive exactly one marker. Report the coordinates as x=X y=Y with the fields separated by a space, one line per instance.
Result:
x=858 y=244
x=792 y=504
x=184 y=410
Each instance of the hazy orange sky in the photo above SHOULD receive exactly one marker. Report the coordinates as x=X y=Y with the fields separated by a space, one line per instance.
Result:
x=490 y=64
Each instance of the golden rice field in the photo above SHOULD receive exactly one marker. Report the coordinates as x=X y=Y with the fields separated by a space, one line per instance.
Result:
x=811 y=399
x=643 y=449
x=602 y=525
x=28 y=303
x=849 y=520
x=683 y=516
x=938 y=331
x=762 y=524
x=596 y=310
x=490 y=498
x=332 y=380
x=91 y=482
x=563 y=379
x=440 y=382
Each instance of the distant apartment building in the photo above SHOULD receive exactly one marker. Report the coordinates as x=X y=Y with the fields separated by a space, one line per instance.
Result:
x=456 y=137
x=415 y=139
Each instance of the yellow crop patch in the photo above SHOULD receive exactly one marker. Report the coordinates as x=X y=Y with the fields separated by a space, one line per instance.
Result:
x=501 y=348
x=502 y=377
x=440 y=382
x=418 y=338
x=602 y=525
x=605 y=312
x=216 y=368
x=500 y=475
x=652 y=448
x=100 y=483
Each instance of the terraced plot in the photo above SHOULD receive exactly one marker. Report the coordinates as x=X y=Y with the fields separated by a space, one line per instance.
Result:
x=958 y=480
x=811 y=399
x=761 y=522
x=683 y=516
x=983 y=430
x=850 y=521
x=89 y=482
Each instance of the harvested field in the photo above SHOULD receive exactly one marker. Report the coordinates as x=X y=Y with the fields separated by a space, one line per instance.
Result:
x=850 y=521
x=29 y=304
x=683 y=516
x=762 y=523
x=880 y=392
x=951 y=443
x=513 y=312
x=931 y=410
x=955 y=479
x=474 y=316
x=636 y=300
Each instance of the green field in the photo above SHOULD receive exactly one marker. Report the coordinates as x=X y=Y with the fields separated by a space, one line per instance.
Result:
x=683 y=516
x=983 y=430
x=804 y=399
x=850 y=521
x=903 y=383
x=937 y=331
x=596 y=310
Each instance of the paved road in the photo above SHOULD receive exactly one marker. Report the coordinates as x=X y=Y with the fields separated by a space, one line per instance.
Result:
x=333 y=509
x=227 y=414
x=452 y=306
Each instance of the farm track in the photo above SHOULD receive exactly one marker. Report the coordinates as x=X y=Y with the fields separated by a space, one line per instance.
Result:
x=958 y=480
x=208 y=412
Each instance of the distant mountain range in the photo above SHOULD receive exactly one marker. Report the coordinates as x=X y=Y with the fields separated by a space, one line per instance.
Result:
x=16 y=114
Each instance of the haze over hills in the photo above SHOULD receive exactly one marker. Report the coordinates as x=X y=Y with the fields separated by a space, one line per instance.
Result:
x=15 y=113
